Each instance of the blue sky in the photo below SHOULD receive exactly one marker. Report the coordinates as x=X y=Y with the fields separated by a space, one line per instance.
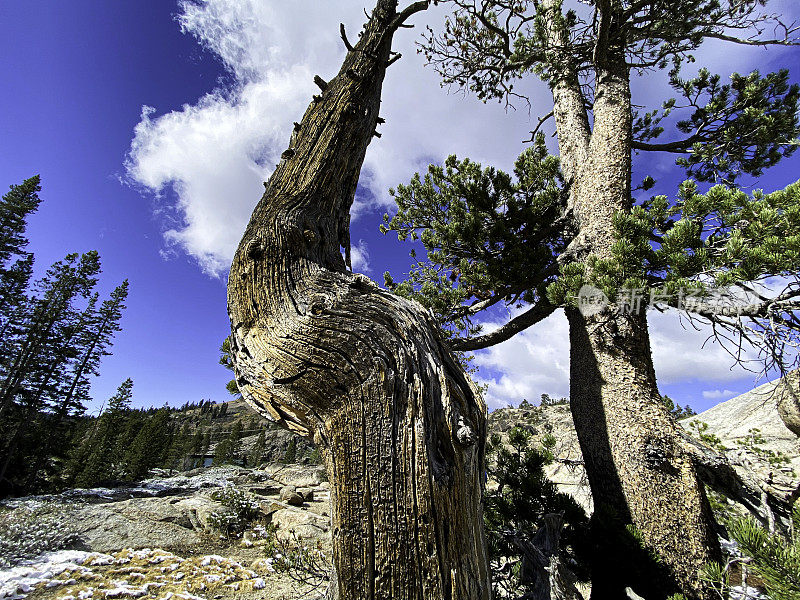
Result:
x=163 y=193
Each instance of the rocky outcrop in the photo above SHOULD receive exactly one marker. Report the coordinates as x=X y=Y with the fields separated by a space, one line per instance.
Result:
x=744 y=451
x=179 y=512
x=567 y=470
x=748 y=455
x=787 y=392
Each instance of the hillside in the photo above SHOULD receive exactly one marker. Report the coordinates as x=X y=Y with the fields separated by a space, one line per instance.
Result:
x=218 y=421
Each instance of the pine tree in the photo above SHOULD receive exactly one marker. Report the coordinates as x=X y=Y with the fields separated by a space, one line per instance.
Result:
x=33 y=374
x=290 y=456
x=15 y=262
x=538 y=235
x=256 y=456
x=95 y=343
x=96 y=461
x=515 y=509
x=150 y=447
x=228 y=449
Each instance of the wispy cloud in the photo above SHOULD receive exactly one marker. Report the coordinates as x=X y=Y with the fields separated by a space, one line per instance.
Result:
x=718 y=394
x=206 y=161
x=359 y=256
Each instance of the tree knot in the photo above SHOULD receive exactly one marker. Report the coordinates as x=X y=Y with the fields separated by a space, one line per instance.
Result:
x=465 y=433
x=255 y=247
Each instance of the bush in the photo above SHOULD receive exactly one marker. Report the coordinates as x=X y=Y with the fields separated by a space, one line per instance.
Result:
x=245 y=509
x=775 y=558
x=516 y=508
x=26 y=533
x=303 y=564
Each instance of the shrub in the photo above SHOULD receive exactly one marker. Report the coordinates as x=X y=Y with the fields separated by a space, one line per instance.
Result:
x=775 y=558
x=28 y=532
x=245 y=509
x=515 y=509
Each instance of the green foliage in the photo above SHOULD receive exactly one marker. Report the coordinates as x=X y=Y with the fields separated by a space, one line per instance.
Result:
x=685 y=249
x=314 y=456
x=226 y=360
x=53 y=335
x=228 y=449
x=489 y=236
x=546 y=400
x=256 y=456
x=745 y=126
x=245 y=509
x=524 y=495
x=95 y=461
x=668 y=249
x=753 y=441
x=149 y=448
x=773 y=557
x=677 y=411
x=290 y=457
x=301 y=563
x=701 y=432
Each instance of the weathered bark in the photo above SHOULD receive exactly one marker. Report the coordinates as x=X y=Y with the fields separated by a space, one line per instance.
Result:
x=542 y=568
x=642 y=480
x=788 y=400
x=360 y=371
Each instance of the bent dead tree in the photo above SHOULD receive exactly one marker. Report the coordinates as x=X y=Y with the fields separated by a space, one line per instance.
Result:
x=360 y=371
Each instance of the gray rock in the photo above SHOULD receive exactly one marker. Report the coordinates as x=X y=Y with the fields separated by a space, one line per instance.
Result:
x=292 y=522
x=290 y=496
x=269 y=488
x=307 y=493
x=297 y=475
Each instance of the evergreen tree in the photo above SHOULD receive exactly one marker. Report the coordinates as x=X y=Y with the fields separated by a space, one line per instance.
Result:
x=15 y=262
x=95 y=343
x=196 y=448
x=290 y=456
x=150 y=447
x=538 y=235
x=677 y=411
x=513 y=511
x=95 y=460
x=66 y=281
x=228 y=449
x=32 y=407
x=180 y=448
x=256 y=456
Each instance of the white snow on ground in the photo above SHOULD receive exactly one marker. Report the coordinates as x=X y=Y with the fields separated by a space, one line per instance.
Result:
x=18 y=581
x=155 y=486
x=128 y=574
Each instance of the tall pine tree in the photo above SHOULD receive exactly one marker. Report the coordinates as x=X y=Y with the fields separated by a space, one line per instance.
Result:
x=537 y=236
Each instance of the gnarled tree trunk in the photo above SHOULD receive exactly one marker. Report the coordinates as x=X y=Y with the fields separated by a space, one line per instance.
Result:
x=360 y=371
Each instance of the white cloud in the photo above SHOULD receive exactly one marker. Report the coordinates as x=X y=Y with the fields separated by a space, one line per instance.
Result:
x=359 y=257
x=206 y=161
x=718 y=394
x=536 y=361
x=530 y=364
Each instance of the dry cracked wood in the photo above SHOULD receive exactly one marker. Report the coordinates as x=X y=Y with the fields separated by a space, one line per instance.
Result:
x=360 y=371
